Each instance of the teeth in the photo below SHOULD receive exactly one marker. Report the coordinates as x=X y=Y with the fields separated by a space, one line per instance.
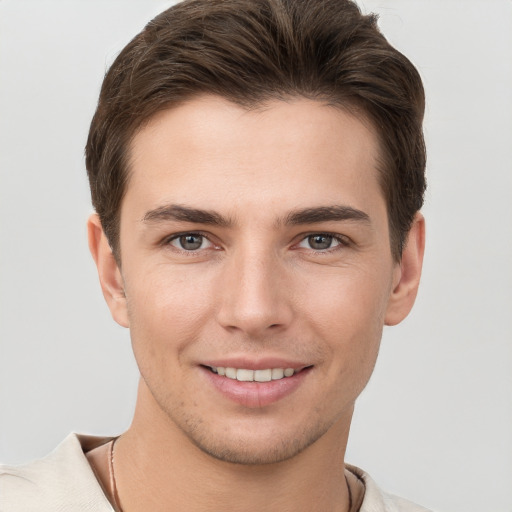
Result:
x=263 y=375
x=231 y=373
x=243 y=375
x=277 y=373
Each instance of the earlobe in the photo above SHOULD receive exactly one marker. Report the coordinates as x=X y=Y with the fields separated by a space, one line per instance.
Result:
x=109 y=273
x=408 y=274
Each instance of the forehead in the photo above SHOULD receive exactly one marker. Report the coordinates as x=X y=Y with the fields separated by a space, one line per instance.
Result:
x=213 y=152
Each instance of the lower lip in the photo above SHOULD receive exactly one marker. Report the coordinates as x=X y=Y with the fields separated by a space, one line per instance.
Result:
x=256 y=394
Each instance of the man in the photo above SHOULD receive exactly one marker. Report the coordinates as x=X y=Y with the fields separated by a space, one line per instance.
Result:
x=257 y=171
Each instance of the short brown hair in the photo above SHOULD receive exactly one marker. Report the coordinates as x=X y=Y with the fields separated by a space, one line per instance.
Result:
x=251 y=51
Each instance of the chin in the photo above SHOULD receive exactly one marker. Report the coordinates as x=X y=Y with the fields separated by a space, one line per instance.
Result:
x=253 y=446
x=253 y=454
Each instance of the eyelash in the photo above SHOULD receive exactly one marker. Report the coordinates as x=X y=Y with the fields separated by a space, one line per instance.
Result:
x=342 y=241
x=167 y=241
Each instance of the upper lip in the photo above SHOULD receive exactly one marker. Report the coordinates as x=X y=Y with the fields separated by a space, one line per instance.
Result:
x=256 y=364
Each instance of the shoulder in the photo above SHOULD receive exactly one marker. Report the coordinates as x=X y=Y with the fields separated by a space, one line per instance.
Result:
x=63 y=480
x=397 y=504
x=376 y=500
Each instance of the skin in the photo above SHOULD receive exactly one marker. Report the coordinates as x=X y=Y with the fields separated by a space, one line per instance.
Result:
x=257 y=286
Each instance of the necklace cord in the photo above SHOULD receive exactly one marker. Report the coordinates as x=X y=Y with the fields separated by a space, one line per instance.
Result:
x=113 y=485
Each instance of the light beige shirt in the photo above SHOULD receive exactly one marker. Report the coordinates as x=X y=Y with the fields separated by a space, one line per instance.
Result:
x=63 y=481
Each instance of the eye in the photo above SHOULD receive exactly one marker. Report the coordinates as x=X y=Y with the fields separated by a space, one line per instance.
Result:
x=320 y=242
x=190 y=242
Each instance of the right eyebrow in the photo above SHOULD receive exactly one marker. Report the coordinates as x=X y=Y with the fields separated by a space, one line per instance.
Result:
x=176 y=212
x=326 y=214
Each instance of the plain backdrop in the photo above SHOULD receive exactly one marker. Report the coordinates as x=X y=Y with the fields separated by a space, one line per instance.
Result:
x=435 y=422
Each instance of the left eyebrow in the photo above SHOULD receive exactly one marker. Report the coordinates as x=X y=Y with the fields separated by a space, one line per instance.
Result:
x=325 y=214
x=174 y=212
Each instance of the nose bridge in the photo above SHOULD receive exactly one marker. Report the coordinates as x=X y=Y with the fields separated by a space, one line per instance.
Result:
x=253 y=298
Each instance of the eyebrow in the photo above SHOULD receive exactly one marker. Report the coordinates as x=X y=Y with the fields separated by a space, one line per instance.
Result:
x=325 y=214
x=296 y=217
x=186 y=214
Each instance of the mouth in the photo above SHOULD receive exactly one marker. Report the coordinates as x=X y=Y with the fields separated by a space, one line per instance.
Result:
x=256 y=384
x=264 y=375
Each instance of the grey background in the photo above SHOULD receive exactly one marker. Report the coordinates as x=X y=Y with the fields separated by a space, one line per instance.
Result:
x=435 y=423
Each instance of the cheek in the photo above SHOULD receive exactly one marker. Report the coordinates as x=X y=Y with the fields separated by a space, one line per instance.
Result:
x=166 y=312
x=348 y=315
x=349 y=301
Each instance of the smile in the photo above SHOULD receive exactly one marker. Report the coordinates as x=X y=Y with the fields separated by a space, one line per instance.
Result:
x=244 y=375
x=265 y=383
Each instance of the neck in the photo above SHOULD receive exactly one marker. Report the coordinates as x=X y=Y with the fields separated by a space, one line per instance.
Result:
x=154 y=458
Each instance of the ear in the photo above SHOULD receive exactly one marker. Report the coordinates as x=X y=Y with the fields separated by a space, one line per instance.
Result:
x=109 y=273
x=407 y=274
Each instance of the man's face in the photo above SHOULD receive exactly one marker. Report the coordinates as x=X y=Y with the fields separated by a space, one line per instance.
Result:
x=255 y=240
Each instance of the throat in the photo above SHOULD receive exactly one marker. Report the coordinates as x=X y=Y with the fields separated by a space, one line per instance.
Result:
x=273 y=488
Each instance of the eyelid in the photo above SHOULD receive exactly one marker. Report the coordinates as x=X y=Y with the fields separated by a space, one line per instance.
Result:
x=166 y=241
x=343 y=241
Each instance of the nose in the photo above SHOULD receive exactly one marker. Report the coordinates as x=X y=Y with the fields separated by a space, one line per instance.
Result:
x=255 y=294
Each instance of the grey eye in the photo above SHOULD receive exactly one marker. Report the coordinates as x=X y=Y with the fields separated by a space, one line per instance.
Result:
x=319 y=242
x=189 y=242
